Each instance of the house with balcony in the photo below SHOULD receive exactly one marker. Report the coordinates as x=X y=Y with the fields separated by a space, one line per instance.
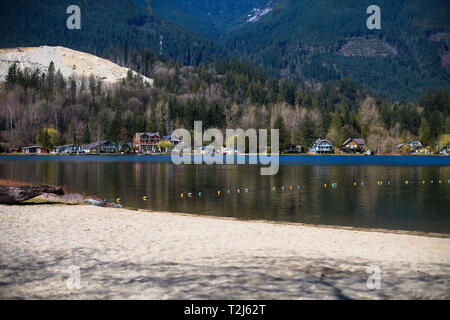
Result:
x=321 y=146
x=353 y=146
x=146 y=142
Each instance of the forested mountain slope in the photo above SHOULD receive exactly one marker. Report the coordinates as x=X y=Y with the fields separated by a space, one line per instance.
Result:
x=107 y=26
x=323 y=40
x=310 y=40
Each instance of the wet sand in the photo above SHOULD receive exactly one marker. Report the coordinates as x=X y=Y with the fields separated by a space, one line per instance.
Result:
x=125 y=254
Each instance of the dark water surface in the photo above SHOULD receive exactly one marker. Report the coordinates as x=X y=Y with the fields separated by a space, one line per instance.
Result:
x=394 y=204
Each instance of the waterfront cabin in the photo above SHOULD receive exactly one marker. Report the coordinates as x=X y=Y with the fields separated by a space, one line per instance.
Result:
x=445 y=151
x=103 y=146
x=293 y=149
x=321 y=146
x=68 y=148
x=353 y=146
x=412 y=146
x=415 y=146
x=146 y=142
x=35 y=149
x=172 y=139
x=402 y=147
x=123 y=147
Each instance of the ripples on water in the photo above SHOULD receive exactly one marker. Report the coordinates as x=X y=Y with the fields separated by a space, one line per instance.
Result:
x=412 y=206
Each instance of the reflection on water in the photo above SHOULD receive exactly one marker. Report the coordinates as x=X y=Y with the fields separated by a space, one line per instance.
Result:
x=412 y=206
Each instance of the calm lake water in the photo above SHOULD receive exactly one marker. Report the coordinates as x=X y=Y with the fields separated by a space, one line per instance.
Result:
x=394 y=204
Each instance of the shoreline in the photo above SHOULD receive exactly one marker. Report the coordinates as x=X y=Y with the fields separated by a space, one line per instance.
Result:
x=128 y=254
x=301 y=224
x=246 y=154
x=284 y=159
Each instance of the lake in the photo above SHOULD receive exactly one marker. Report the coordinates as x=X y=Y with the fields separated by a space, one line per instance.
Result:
x=405 y=193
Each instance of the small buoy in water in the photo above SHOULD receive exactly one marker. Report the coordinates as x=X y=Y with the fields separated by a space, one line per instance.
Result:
x=119 y=200
x=218 y=193
x=145 y=198
x=238 y=190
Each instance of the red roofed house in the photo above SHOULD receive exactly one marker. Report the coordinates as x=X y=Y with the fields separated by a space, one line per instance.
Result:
x=146 y=142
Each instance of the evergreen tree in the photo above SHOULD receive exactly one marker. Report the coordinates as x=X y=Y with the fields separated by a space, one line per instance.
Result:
x=86 y=135
x=306 y=133
x=425 y=133
x=283 y=134
x=51 y=76
x=11 y=77
x=114 y=128
x=43 y=139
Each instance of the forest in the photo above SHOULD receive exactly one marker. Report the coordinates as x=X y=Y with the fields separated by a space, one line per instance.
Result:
x=302 y=40
x=228 y=94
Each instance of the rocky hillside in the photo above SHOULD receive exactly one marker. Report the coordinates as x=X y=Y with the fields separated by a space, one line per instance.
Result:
x=68 y=61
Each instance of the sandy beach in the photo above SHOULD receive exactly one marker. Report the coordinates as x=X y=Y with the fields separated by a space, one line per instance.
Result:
x=126 y=254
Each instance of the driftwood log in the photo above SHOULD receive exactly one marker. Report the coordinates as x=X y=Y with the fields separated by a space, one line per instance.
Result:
x=17 y=194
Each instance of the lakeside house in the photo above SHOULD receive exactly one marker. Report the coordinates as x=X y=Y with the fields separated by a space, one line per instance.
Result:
x=172 y=139
x=321 y=146
x=146 y=142
x=123 y=147
x=35 y=149
x=415 y=145
x=68 y=148
x=103 y=146
x=412 y=146
x=293 y=149
x=353 y=145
